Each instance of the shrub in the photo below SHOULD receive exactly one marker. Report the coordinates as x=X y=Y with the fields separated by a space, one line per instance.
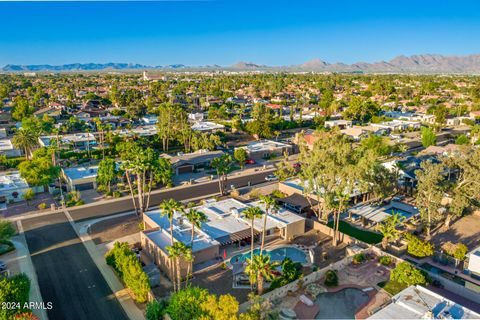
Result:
x=458 y=251
x=15 y=290
x=126 y=264
x=385 y=260
x=291 y=271
x=405 y=273
x=42 y=206
x=6 y=230
x=417 y=247
x=155 y=310
x=358 y=258
x=277 y=194
x=116 y=194
x=331 y=278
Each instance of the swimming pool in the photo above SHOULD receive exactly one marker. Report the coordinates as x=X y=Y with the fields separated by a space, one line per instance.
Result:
x=342 y=304
x=277 y=254
x=403 y=213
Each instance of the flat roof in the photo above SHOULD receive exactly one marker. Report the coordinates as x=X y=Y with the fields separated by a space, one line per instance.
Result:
x=12 y=181
x=264 y=145
x=76 y=173
x=6 y=144
x=380 y=213
x=417 y=302
x=206 y=126
x=279 y=218
x=299 y=185
x=68 y=138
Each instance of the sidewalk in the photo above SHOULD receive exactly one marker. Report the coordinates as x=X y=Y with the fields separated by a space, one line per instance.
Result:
x=25 y=265
x=127 y=303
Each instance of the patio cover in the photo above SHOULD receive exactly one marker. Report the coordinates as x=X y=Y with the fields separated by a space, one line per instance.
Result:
x=228 y=239
x=375 y=214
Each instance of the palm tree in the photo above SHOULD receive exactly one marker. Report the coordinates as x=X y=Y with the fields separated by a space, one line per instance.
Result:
x=389 y=228
x=175 y=253
x=168 y=208
x=260 y=269
x=196 y=218
x=25 y=139
x=188 y=256
x=222 y=165
x=252 y=213
x=270 y=203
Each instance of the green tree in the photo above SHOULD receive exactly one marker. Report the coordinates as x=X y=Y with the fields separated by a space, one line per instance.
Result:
x=25 y=140
x=428 y=137
x=430 y=190
x=14 y=290
x=28 y=195
x=270 y=204
x=407 y=274
x=390 y=228
x=260 y=269
x=155 y=310
x=462 y=140
x=7 y=230
x=251 y=213
x=417 y=247
x=107 y=173
x=39 y=171
x=222 y=165
x=241 y=156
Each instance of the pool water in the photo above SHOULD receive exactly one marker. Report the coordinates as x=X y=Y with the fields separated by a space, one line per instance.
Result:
x=278 y=254
x=341 y=304
x=403 y=213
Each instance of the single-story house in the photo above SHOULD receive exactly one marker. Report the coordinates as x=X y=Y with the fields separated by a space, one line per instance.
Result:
x=7 y=149
x=264 y=149
x=225 y=225
x=12 y=188
x=75 y=140
x=473 y=266
x=341 y=124
x=207 y=126
x=80 y=178
x=189 y=162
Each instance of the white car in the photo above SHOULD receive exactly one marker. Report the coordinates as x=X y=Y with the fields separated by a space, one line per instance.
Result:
x=271 y=177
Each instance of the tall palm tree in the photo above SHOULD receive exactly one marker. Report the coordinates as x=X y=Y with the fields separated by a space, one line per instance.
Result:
x=188 y=256
x=27 y=140
x=175 y=253
x=389 y=228
x=168 y=208
x=270 y=203
x=252 y=213
x=196 y=218
x=260 y=269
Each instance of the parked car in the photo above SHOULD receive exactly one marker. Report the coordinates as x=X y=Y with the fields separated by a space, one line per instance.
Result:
x=250 y=161
x=271 y=177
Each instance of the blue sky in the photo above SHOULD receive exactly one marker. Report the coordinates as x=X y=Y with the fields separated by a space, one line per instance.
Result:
x=226 y=31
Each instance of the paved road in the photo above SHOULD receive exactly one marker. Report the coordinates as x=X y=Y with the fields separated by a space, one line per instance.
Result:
x=66 y=274
x=125 y=204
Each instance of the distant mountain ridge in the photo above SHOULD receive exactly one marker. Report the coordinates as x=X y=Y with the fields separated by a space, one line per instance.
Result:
x=423 y=63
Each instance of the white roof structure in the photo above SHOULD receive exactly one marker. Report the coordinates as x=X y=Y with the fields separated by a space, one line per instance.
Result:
x=6 y=145
x=207 y=126
x=68 y=138
x=264 y=145
x=380 y=213
x=300 y=186
x=11 y=181
x=76 y=173
x=279 y=218
x=141 y=131
x=417 y=302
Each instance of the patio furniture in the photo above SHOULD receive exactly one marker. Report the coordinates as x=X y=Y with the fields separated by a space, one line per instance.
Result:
x=306 y=300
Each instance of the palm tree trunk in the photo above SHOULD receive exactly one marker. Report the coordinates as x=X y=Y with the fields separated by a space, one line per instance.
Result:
x=179 y=275
x=260 y=284
x=264 y=231
x=251 y=242
x=127 y=174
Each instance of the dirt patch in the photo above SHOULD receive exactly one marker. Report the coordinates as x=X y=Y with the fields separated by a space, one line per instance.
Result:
x=464 y=230
x=112 y=229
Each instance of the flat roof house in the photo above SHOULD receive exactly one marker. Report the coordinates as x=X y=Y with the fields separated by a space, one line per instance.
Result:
x=12 y=187
x=225 y=225
x=81 y=178
x=7 y=149
x=341 y=124
x=75 y=140
x=206 y=126
x=417 y=302
x=189 y=162
x=474 y=263
x=264 y=149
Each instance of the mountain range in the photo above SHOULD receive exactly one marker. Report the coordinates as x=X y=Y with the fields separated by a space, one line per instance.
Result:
x=424 y=63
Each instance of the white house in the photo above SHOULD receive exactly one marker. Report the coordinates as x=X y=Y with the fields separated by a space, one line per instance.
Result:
x=7 y=149
x=80 y=178
x=12 y=187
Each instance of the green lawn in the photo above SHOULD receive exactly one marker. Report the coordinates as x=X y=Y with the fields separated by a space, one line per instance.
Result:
x=362 y=235
x=392 y=287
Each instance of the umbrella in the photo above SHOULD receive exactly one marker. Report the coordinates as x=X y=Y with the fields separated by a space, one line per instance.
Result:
x=224 y=254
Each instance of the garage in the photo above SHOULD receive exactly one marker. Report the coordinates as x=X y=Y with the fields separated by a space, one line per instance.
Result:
x=185 y=168
x=84 y=186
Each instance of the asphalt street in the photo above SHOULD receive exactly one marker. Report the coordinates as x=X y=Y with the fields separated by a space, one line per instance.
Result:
x=106 y=208
x=66 y=274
